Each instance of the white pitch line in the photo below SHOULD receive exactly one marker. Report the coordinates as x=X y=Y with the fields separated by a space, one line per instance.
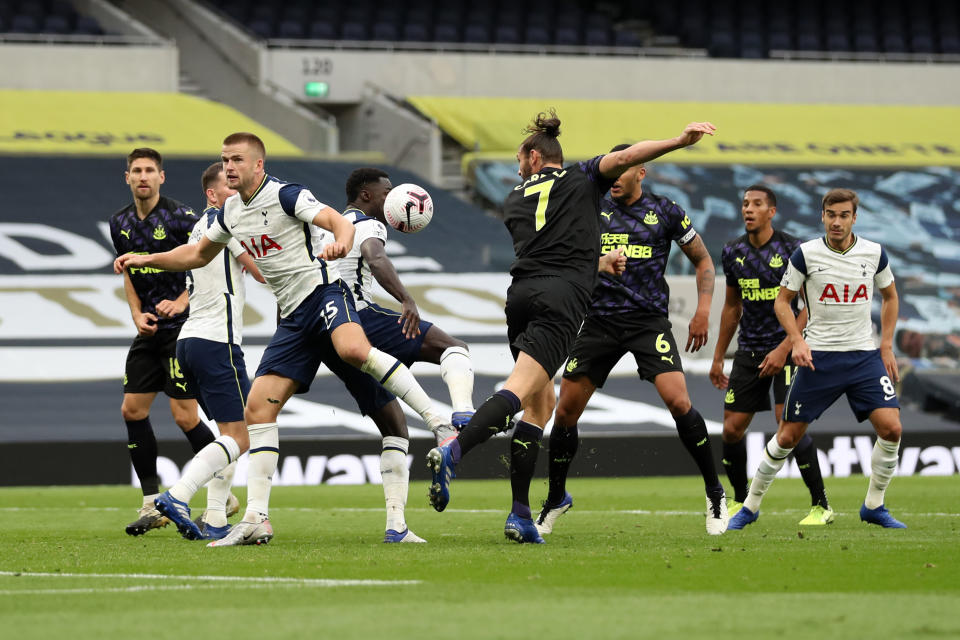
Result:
x=306 y=582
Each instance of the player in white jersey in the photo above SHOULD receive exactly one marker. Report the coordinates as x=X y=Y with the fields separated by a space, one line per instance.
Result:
x=211 y=360
x=836 y=353
x=272 y=219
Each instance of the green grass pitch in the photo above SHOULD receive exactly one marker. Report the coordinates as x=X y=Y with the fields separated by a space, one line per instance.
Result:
x=631 y=560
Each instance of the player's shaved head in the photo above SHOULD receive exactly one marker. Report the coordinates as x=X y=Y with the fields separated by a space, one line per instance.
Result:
x=244 y=137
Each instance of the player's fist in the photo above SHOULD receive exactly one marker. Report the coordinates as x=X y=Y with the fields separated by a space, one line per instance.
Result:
x=334 y=250
x=613 y=262
x=124 y=261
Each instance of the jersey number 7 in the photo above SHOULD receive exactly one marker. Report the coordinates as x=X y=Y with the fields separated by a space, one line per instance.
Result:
x=543 y=191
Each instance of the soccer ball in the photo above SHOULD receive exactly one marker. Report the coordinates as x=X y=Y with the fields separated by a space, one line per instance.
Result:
x=408 y=208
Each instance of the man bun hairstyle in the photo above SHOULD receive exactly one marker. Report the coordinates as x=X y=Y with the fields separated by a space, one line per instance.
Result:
x=145 y=152
x=359 y=178
x=544 y=131
x=771 y=196
x=249 y=138
x=840 y=195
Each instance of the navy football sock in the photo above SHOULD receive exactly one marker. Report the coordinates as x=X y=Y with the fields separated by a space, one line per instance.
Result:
x=563 y=447
x=693 y=433
x=735 y=463
x=809 y=464
x=142 y=445
x=491 y=418
x=200 y=436
x=524 y=447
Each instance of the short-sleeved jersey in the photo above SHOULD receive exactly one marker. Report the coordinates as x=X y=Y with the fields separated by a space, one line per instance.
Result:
x=274 y=228
x=217 y=291
x=756 y=272
x=167 y=226
x=838 y=288
x=553 y=218
x=353 y=269
x=645 y=230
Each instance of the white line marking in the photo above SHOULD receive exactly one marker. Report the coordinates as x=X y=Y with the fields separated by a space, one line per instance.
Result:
x=306 y=582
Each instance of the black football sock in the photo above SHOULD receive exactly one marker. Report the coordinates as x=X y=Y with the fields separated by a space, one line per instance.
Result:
x=491 y=418
x=693 y=433
x=735 y=463
x=563 y=447
x=809 y=463
x=142 y=444
x=524 y=447
x=200 y=436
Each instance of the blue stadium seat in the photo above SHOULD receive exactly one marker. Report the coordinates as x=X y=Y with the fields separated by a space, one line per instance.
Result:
x=752 y=45
x=415 y=32
x=569 y=36
x=24 y=24
x=866 y=42
x=894 y=43
x=62 y=8
x=597 y=37
x=385 y=31
x=949 y=43
x=626 y=38
x=922 y=43
x=261 y=28
x=88 y=26
x=55 y=24
x=294 y=13
x=446 y=33
x=322 y=30
x=291 y=29
x=506 y=34
x=723 y=44
x=781 y=40
x=264 y=13
x=479 y=33
x=353 y=31
x=808 y=41
x=536 y=34
x=838 y=41
x=31 y=8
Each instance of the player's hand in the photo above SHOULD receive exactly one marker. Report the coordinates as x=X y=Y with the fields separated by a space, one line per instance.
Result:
x=170 y=308
x=890 y=363
x=146 y=324
x=773 y=363
x=334 y=250
x=699 y=326
x=802 y=357
x=717 y=377
x=128 y=260
x=410 y=318
x=693 y=132
x=613 y=262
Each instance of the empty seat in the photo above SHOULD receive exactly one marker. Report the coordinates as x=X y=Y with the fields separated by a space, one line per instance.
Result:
x=353 y=31
x=55 y=24
x=385 y=31
x=476 y=32
x=415 y=32
x=446 y=33
x=569 y=36
x=597 y=37
x=536 y=34
x=21 y=23
x=322 y=30
x=88 y=26
x=261 y=28
x=290 y=29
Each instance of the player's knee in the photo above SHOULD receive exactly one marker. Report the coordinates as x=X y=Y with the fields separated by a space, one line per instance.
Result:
x=732 y=432
x=678 y=405
x=258 y=412
x=242 y=438
x=890 y=432
x=353 y=354
x=132 y=413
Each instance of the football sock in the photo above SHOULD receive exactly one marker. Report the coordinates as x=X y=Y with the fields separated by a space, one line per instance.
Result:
x=211 y=459
x=563 y=448
x=491 y=418
x=396 y=480
x=809 y=464
x=883 y=464
x=693 y=433
x=200 y=436
x=735 y=463
x=264 y=453
x=148 y=500
x=524 y=447
x=142 y=444
x=397 y=379
x=218 y=491
x=456 y=371
x=770 y=464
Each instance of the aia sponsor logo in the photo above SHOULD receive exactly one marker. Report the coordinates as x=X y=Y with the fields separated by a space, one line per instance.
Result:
x=844 y=294
x=258 y=247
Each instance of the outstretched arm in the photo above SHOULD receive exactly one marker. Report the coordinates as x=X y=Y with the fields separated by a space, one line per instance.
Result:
x=383 y=270
x=697 y=252
x=615 y=163
x=729 y=319
x=182 y=258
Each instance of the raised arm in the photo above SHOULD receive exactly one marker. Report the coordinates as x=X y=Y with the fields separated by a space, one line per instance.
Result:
x=729 y=319
x=697 y=253
x=615 y=163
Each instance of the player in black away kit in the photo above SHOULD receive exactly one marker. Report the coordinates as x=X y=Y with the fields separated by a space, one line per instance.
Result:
x=754 y=264
x=553 y=218
x=629 y=314
x=158 y=303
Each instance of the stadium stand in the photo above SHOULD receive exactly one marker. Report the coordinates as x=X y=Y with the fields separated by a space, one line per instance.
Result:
x=53 y=17
x=737 y=28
